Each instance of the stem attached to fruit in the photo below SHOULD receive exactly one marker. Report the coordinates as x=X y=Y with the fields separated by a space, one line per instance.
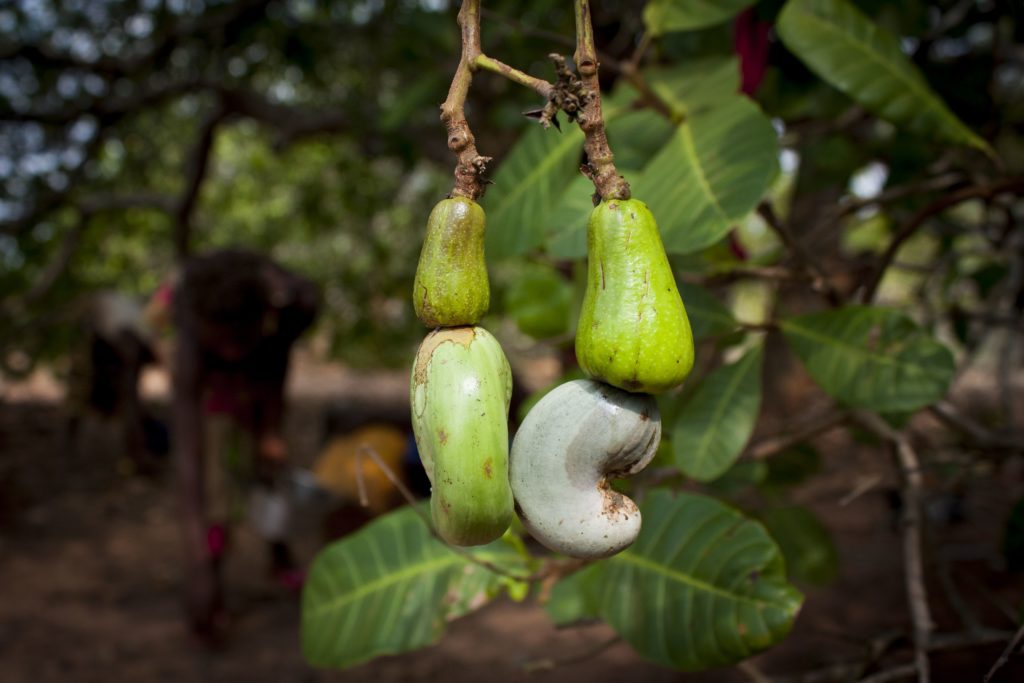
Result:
x=600 y=167
x=471 y=166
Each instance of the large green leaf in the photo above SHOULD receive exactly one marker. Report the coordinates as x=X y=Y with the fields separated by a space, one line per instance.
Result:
x=711 y=174
x=805 y=542
x=664 y=16
x=703 y=586
x=698 y=84
x=712 y=427
x=528 y=185
x=870 y=357
x=567 y=227
x=636 y=136
x=708 y=316
x=390 y=588
x=849 y=51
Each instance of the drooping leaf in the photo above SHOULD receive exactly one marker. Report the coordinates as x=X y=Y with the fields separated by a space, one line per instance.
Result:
x=852 y=53
x=708 y=316
x=711 y=174
x=665 y=16
x=702 y=586
x=712 y=428
x=810 y=554
x=528 y=185
x=540 y=302
x=871 y=357
x=390 y=588
x=696 y=85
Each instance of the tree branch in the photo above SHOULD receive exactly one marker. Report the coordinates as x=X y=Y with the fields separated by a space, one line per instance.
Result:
x=470 y=166
x=600 y=166
x=1012 y=185
x=1011 y=647
x=538 y=85
x=790 y=436
x=195 y=171
x=913 y=488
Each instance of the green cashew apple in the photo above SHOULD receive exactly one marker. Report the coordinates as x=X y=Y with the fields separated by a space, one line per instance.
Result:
x=451 y=286
x=633 y=331
x=460 y=391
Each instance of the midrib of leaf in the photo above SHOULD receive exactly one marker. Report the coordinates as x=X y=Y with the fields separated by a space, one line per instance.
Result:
x=630 y=557
x=917 y=86
x=857 y=350
x=702 y=446
x=690 y=151
x=538 y=169
x=388 y=580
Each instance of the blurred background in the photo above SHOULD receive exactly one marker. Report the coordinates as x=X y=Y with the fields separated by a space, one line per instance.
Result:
x=136 y=135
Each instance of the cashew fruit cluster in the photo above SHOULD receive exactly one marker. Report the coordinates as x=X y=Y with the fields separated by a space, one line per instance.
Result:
x=461 y=382
x=633 y=340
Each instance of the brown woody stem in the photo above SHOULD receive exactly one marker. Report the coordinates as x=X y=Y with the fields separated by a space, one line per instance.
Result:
x=600 y=167
x=470 y=166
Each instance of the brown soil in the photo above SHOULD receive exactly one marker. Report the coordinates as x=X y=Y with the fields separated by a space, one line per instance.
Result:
x=90 y=573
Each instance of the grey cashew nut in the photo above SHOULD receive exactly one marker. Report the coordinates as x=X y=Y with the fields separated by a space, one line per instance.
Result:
x=577 y=436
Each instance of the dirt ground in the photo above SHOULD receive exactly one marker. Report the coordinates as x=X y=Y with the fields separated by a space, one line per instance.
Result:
x=90 y=572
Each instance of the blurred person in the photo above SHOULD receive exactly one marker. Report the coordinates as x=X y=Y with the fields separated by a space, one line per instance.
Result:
x=105 y=371
x=235 y=315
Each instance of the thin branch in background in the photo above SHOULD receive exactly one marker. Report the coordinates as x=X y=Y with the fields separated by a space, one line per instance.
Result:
x=913 y=537
x=1011 y=647
x=819 y=279
x=1008 y=354
x=371 y=452
x=742 y=272
x=196 y=165
x=753 y=672
x=939 y=183
x=978 y=435
x=956 y=599
x=1012 y=185
x=794 y=434
x=549 y=663
x=893 y=674
x=471 y=166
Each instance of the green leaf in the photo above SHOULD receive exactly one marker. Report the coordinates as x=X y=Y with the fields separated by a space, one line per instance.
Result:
x=869 y=357
x=702 y=586
x=708 y=316
x=568 y=224
x=665 y=16
x=711 y=174
x=846 y=49
x=810 y=554
x=528 y=185
x=712 y=428
x=391 y=588
x=698 y=84
x=540 y=301
x=636 y=136
x=574 y=599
